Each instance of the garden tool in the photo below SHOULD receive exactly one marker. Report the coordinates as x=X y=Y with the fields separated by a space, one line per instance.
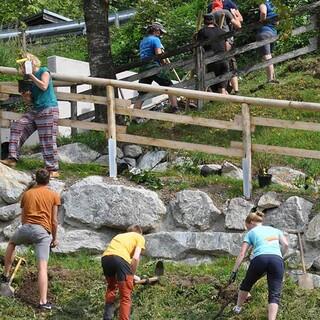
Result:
x=305 y=280
x=159 y=271
x=6 y=289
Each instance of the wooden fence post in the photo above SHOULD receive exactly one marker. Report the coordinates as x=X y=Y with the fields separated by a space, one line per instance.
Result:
x=200 y=73
x=0 y=134
x=74 y=110
x=246 y=160
x=112 y=142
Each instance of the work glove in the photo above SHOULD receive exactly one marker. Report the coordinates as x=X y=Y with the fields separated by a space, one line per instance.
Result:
x=233 y=277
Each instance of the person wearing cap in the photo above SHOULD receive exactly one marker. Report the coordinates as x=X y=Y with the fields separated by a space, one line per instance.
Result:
x=151 y=46
x=214 y=35
x=268 y=18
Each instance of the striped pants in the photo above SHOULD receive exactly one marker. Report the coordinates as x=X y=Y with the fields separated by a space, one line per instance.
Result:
x=46 y=122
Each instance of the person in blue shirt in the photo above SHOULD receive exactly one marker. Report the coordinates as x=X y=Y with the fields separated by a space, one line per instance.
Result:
x=43 y=116
x=268 y=18
x=267 y=243
x=151 y=46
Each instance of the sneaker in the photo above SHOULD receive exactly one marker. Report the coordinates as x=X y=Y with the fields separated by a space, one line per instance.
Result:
x=45 y=306
x=4 y=279
x=54 y=174
x=236 y=309
x=9 y=162
x=273 y=81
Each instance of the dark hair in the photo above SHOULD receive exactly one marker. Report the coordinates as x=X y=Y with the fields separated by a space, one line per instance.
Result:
x=134 y=228
x=42 y=176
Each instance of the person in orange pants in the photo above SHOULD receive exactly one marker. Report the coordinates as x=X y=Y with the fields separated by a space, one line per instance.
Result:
x=119 y=263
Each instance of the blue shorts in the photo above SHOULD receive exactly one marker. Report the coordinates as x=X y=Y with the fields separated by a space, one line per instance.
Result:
x=273 y=266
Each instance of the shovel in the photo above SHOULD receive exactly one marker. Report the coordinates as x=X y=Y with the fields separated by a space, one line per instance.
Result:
x=159 y=271
x=6 y=289
x=305 y=280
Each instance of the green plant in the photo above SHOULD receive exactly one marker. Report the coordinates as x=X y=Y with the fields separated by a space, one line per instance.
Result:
x=148 y=178
x=262 y=162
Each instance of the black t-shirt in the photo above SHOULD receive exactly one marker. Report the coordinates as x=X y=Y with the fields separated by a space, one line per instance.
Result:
x=212 y=33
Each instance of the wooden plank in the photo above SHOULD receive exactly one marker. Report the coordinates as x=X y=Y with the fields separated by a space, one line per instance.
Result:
x=8 y=115
x=230 y=152
x=246 y=139
x=294 y=152
x=4 y=96
x=286 y=124
x=204 y=122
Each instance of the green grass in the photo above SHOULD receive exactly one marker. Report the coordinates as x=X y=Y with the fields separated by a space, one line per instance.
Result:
x=185 y=292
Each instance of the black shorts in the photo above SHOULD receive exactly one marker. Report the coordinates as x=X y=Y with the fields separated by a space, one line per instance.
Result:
x=162 y=79
x=219 y=68
x=115 y=266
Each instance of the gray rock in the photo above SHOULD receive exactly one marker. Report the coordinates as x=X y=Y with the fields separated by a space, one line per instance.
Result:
x=215 y=167
x=287 y=177
x=12 y=184
x=71 y=240
x=183 y=245
x=96 y=204
x=132 y=151
x=161 y=167
x=268 y=201
x=230 y=170
x=236 y=213
x=103 y=160
x=131 y=162
x=77 y=153
x=10 y=229
x=313 y=231
x=151 y=159
x=120 y=154
x=316 y=263
x=193 y=210
x=292 y=214
x=10 y=212
x=57 y=186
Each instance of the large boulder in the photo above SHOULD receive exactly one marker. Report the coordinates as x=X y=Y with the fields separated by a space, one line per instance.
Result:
x=313 y=231
x=132 y=151
x=230 y=170
x=236 y=213
x=149 y=160
x=193 y=210
x=287 y=177
x=12 y=184
x=71 y=240
x=94 y=203
x=293 y=214
x=10 y=212
x=269 y=200
x=182 y=245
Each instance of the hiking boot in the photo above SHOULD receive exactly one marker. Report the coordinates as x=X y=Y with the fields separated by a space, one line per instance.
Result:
x=4 y=279
x=9 y=162
x=109 y=309
x=45 y=306
x=236 y=309
x=54 y=174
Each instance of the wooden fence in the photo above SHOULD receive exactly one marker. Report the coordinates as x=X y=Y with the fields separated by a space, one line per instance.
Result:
x=244 y=122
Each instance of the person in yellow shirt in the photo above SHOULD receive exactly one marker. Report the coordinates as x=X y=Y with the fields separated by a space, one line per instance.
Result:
x=119 y=263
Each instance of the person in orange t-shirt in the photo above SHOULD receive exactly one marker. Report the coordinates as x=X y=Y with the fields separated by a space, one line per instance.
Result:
x=39 y=227
x=119 y=262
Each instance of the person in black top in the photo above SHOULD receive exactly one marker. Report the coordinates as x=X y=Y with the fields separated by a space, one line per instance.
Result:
x=211 y=32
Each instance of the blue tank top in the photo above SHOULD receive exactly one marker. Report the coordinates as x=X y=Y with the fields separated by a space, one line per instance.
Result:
x=43 y=99
x=270 y=26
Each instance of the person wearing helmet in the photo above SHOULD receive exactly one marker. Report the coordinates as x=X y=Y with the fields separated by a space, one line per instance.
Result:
x=151 y=46
x=212 y=33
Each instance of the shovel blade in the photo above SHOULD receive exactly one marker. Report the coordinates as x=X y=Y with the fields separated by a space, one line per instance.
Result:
x=305 y=281
x=6 y=290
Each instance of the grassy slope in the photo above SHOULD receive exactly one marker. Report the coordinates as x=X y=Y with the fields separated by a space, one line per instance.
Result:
x=185 y=292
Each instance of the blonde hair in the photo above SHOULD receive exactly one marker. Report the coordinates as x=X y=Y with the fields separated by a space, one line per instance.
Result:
x=35 y=60
x=254 y=217
x=134 y=228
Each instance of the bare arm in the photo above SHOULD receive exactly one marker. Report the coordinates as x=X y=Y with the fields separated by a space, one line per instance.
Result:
x=236 y=13
x=54 y=223
x=244 y=248
x=263 y=12
x=42 y=83
x=135 y=259
x=236 y=23
x=284 y=244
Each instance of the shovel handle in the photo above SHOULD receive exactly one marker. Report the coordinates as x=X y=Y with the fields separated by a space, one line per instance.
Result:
x=302 y=253
x=147 y=280
x=15 y=270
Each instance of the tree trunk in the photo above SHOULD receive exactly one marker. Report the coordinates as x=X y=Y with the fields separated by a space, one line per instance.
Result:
x=99 y=48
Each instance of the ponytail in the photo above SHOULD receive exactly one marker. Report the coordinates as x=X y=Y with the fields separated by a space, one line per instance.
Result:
x=255 y=217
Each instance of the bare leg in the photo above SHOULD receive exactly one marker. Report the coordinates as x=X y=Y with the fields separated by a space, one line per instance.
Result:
x=242 y=297
x=43 y=280
x=8 y=258
x=223 y=91
x=270 y=68
x=173 y=101
x=272 y=311
x=235 y=84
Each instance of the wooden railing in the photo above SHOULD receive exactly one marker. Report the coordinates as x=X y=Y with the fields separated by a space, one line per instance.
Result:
x=243 y=122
